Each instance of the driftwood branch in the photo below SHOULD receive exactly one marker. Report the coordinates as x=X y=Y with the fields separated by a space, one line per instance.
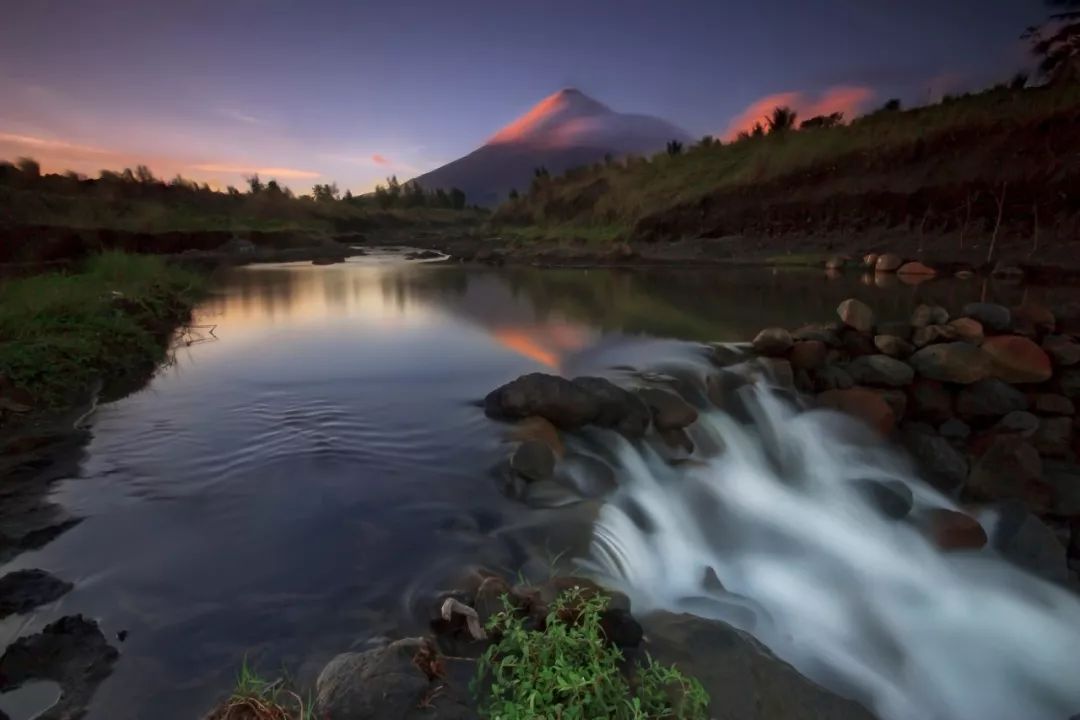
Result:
x=451 y=607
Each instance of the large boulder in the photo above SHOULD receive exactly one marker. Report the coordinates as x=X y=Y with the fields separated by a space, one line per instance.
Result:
x=880 y=370
x=539 y=430
x=808 y=355
x=744 y=680
x=956 y=362
x=1027 y=542
x=994 y=318
x=669 y=411
x=533 y=460
x=386 y=684
x=617 y=408
x=856 y=314
x=930 y=401
x=861 y=403
x=774 y=342
x=557 y=399
x=939 y=462
x=1062 y=350
x=1017 y=359
x=23 y=590
x=989 y=398
x=951 y=530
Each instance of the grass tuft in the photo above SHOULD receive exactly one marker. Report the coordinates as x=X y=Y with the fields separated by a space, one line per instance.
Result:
x=255 y=698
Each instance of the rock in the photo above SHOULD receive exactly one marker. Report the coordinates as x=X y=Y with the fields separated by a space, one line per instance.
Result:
x=964 y=274
x=1051 y=404
x=1068 y=317
x=924 y=315
x=1017 y=359
x=895 y=399
x=832 y=377
x=933 y=334
x=743 y=679
x=385 y=684
x=951 y=530
x=808 y=355
x=939 y=462
x=901 y=330
x=71 y=652
x=880 y=370
x=888 y=263
x=777 y=371
x=891 y=498
x=1010 y=469
x=870 y=260
x=856 y=343
x=956 y=362
x=856 y=314
x=328 y=260
x=836 y=262
x=669 y=411
x=1063 y=479
x=989 y=398
x=1019 y=422
x=916 y=268
x=1027 y=542
x=538 y=429
x=929 y=401
x=1005 y=271
x=548 y=396
x=677 y=439
x=1053 y=437
x=861 y=403
x=774 y=342
x=1062 y=350
x=533 y=460
x=968 y=330
x=422 y=255
x=617 y=408
x=993 y=318
x=1036 y=315
x=893 y=346
x=1069 y=382
x=24 y=590
x=954 y=429
x=827 y=334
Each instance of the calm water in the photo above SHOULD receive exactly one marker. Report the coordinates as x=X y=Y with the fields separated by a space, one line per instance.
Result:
x=303 y=478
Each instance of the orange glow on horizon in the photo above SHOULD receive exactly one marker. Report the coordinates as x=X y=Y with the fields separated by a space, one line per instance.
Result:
x=546 y=344
x=848 y=99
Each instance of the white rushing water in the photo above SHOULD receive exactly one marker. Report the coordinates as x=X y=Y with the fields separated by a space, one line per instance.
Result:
x=860 y=602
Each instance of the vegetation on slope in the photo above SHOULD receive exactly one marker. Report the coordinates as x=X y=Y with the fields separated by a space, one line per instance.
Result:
x=59 y=332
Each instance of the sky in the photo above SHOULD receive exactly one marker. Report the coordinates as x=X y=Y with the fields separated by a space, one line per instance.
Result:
x=352 y=91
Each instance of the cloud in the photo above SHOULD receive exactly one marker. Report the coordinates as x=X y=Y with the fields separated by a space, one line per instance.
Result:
x=241 y=117
x=33 y=142
x=278 y=172
x=848 y=99
x=381 y=160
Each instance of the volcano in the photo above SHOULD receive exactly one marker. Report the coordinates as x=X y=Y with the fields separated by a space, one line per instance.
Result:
x=562 y=131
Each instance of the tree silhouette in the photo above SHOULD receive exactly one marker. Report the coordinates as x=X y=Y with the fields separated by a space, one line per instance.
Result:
x=255 y=185
x=891 y=105
x=28 y=166
x=823 y=121
x=781 y=120
x=1056 y=42
x=674 y=147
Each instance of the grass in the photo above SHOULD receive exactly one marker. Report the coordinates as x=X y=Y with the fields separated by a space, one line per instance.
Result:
x=59 y=332
x=255 y=698
x=613 y=197
x=568 y=670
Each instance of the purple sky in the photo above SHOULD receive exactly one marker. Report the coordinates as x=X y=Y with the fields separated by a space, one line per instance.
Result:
x=350 y=90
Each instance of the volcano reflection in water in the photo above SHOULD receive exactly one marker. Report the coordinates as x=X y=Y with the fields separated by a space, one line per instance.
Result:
x=861 y=603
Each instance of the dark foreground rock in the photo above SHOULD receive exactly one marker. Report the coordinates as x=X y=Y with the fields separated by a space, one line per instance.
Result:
x=24 y=590
x=71 y=652
x=745 y=681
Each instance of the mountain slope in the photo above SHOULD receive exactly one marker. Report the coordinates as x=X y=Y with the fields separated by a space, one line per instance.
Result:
x=565 y=130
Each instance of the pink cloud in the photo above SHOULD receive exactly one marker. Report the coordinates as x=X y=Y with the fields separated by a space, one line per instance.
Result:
x=380 y=160
x=278 y=172
x=848 y=99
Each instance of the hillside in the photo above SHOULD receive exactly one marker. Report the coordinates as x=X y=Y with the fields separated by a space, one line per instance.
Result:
x=565 y=130
x=939 y=176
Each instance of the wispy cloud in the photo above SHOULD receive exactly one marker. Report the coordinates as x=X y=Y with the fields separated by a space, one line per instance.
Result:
x=278 y=172
x=381 y=160
x=33 y=142
x=848 y=99
x=241 y=117
x=375 y=160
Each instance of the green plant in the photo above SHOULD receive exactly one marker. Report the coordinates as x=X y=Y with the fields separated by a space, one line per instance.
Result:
x=568 y=671
x=255 y=698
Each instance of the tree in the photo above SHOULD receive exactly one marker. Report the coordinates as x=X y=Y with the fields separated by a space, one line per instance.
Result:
x=823 y=121
x=758 y=130
x=781 y=120
x=457 y=198
x=29 y=167
x=272 y=188
x=514 y=194
x=255 y=185
x=232 y=191
x=348 y=195
x=1056 y=42
x=674 y=147
x=144 y=176
x=891 y=105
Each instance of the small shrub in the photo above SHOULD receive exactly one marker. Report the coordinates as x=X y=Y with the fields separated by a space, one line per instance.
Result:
x=569 y=671
x=255 y=698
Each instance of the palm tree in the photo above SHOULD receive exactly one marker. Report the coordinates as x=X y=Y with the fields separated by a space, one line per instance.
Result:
x=781 y=120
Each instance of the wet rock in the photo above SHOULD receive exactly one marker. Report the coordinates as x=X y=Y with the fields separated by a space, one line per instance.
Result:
x=933 y=334
x=938 y=461
x=956 y=362
x=963 y=274
x=23 y=590
x=924 y=315
x=1052 y=404
x=870 y=260
x=533 y=460
x=880 y=370
x=71 y=652
x=951 y=530
x=1063 y=479
x=669 y=411
x=617 y=408
x=888 y=262
x=1027 y=542
x=1054 y=437
x=1019 y=422
x=744 y=680
x=386 y=684
x=857 y=344
x=916 y=268
x=1062 y=350
x=828 y=334
x=856 y=314
x=836 y=262
x=677 y=439
x=1035 y=315
x=1068 y=317
x=989 y=398
x=861 y=403
x=929 y=401
x=968 y=330
x=777 y=371
x=538 y=429
x=993 y=317
x=955 y=430
x=901 y=330
x=832 y=377
x=774 y=342
x=1069 y=382
x=895 y=399
x=893 y=346
x=891 y=498
x=548 y=396
x=1017 y=359
x=808 y=355
x=1010 y=469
